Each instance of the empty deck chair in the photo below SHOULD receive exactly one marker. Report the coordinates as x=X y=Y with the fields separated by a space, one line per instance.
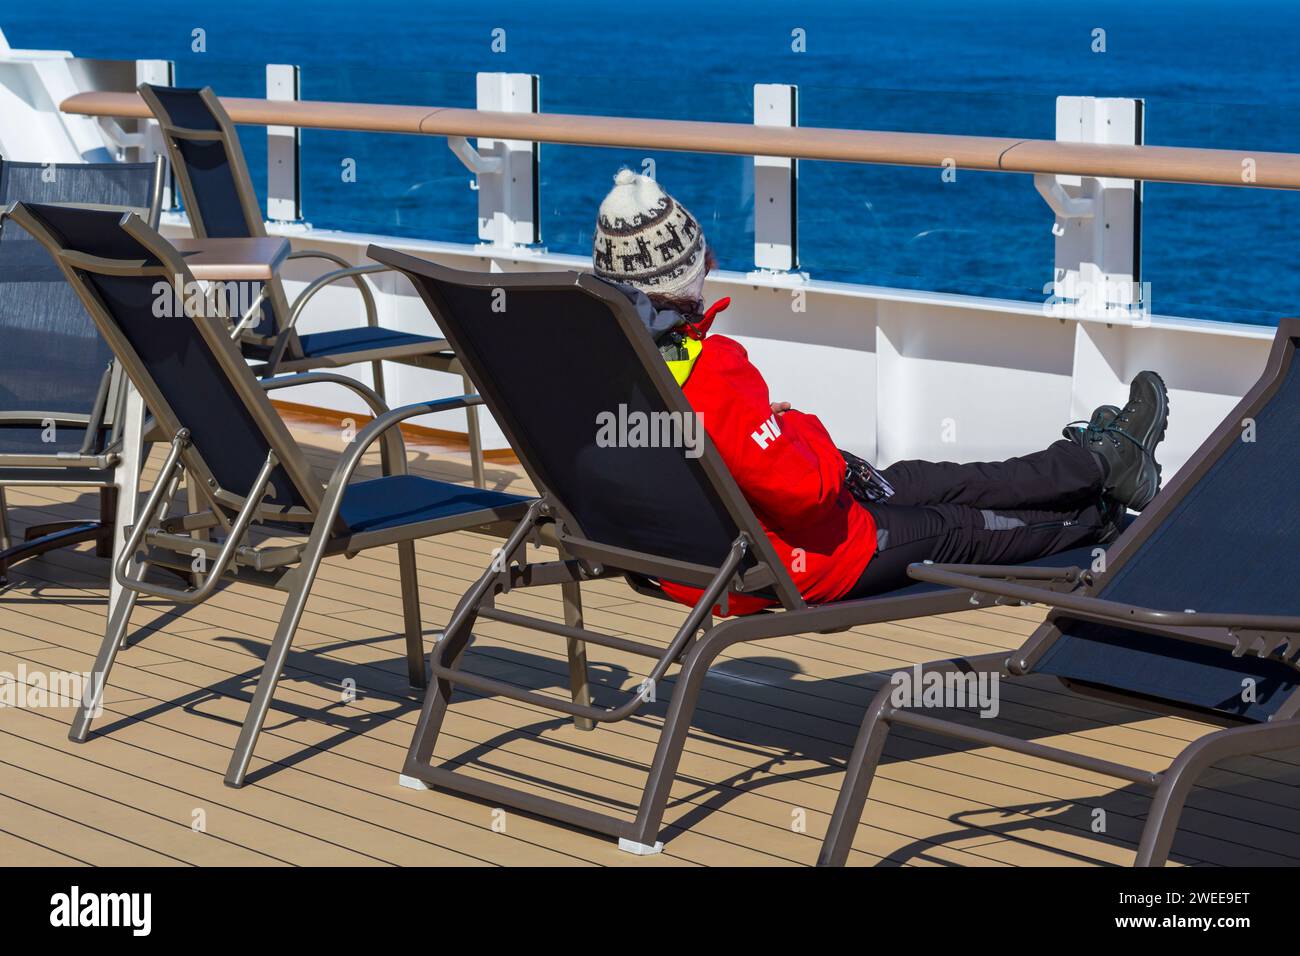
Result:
x=61 y=400
x=646 y=513
x=1197 y=613
x=208 y=163
x=225 y=436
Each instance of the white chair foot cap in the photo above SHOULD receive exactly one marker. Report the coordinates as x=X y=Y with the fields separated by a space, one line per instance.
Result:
x=640 y=849
x=415 y=783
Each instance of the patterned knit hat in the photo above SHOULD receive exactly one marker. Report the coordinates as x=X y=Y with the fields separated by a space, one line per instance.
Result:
x=649 y=240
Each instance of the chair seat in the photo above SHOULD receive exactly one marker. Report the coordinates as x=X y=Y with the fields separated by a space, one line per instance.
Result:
x=399 y=500
x=365 y=339
x=1167 y=669
x=1077 y=557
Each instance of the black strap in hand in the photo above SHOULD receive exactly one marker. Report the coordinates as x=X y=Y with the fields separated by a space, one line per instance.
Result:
x=865 y=482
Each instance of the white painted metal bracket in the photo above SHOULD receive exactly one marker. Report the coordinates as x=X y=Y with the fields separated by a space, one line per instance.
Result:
x=776 y=184
x=1062 y=203
x=119 y=137
x=1097 y=270
x=506 y=169
x=473 y=160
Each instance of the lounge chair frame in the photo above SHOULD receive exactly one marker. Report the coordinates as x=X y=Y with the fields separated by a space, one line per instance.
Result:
x=166 y=542
x=1275 y=637
x=750 y=566
x=114 y=469
x=285 y=355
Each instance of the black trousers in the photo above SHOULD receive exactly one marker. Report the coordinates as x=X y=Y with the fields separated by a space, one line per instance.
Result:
x=1004 y=512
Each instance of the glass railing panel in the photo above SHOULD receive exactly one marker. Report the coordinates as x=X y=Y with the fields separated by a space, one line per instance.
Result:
x=1221 y=253
x=963 y=231
x=393 y=184
x=718 y=190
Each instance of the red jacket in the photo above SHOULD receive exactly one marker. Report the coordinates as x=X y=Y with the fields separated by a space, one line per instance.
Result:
x=789 y=470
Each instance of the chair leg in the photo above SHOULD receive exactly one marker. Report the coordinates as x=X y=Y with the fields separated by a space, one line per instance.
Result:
x=271 y=670
x=6 y=540
x=107 y=512
x=571 y=593
x=127 y=477
x=119 y=618
x=381 y=389
x=456 y=638
x=425 y=739
x=475 y=436
x=194 y=503
x=1162 y=820
x=4 y=525
x=858 y=777
x=409 y=575
x=121 y=600
x=672 y=738
x=454 y=642
x=867 y=750
x=1177 y=782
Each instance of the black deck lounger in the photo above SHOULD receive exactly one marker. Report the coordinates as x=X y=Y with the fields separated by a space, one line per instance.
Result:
x=1197 y=613
x=209 y=166
x=61 y=401
x=227 y=438
x=647 y=513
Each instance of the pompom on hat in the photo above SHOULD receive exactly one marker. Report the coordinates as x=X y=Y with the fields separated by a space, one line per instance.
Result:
x=649 y=240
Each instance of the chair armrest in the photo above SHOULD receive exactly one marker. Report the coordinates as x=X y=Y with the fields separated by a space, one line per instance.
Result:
x=394 y=449
x=372 y=398
x=382 y=425
x=319 y=254
x=345 y=271
x=1261 y=633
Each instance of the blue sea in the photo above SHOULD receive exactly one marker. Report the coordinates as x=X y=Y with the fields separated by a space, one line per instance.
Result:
x=1213 y=74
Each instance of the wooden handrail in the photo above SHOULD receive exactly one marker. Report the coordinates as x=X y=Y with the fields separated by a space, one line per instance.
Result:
x=1172 y=164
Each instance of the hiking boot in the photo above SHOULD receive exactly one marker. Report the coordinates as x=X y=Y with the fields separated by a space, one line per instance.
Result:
x=1079 y=431
x=1127 y=444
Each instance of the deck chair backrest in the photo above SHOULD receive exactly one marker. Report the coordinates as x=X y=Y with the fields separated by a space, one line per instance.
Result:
x=188 y=371
x=208 y=161
x=1223 y=537
x=563 y=362
x=1229 y=537
x=209 y=166
x=53 y=359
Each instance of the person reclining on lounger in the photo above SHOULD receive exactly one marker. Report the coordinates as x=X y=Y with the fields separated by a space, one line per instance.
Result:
x=843 y=529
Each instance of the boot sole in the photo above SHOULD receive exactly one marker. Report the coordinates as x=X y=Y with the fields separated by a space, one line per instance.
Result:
x=1151 y=470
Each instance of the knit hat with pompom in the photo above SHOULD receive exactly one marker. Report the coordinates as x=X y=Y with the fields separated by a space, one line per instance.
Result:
x=649 y=240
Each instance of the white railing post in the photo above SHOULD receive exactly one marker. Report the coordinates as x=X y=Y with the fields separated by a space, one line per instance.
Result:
x=506 y=170
x=1098 y=220
x=157 y=73
x=776 y=184
x=283 y=145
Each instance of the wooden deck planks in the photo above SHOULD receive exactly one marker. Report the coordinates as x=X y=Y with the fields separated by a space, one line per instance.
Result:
x=758 y=779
